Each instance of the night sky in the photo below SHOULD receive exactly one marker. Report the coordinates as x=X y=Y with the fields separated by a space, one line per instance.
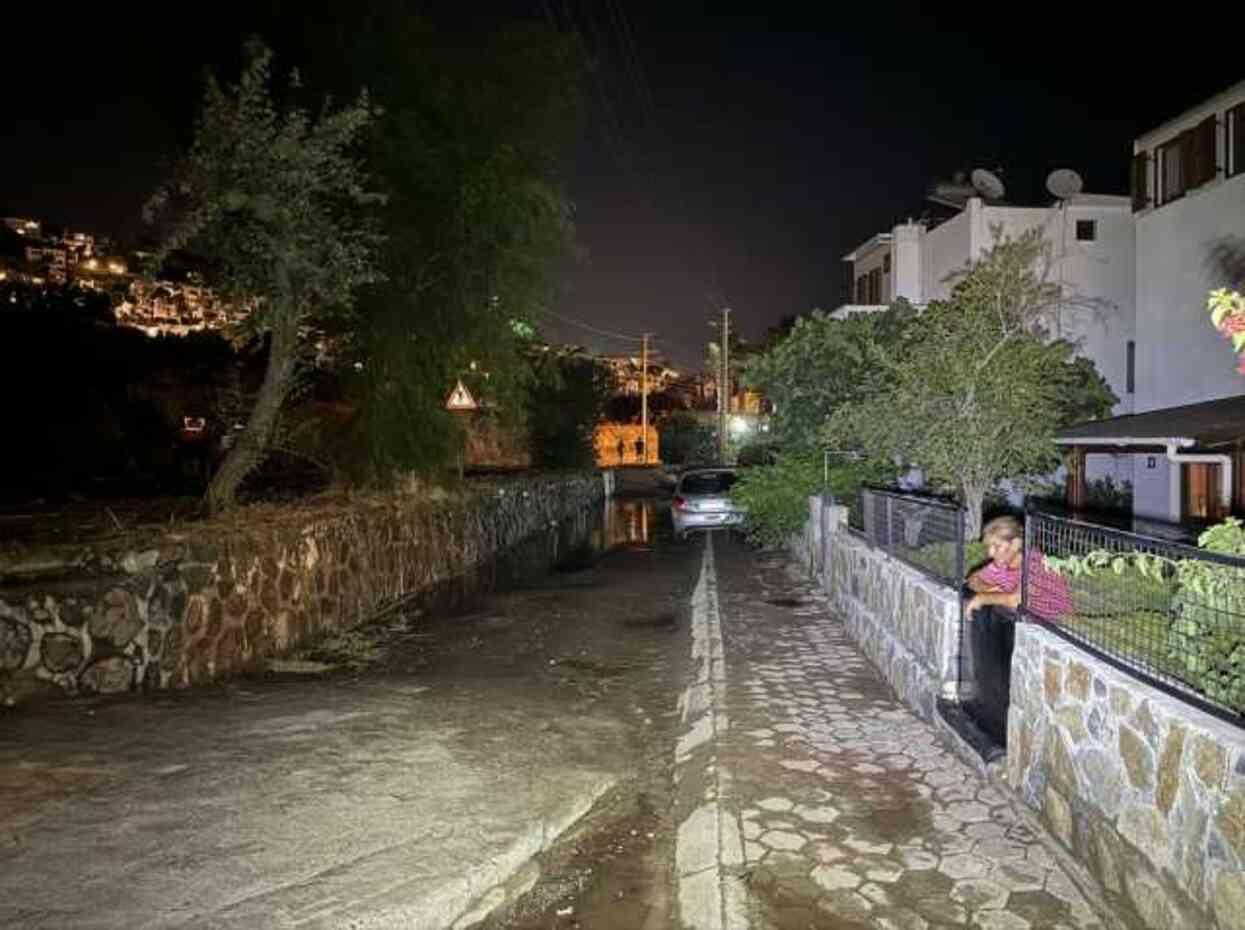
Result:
x=726 y=156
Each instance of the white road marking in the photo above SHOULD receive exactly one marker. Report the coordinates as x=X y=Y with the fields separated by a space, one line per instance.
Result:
x=709 y=844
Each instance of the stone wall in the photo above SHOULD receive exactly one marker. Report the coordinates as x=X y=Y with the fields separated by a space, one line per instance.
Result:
x=907 y=624
x=167 y=609
x=1145 y=790
x=493 y=443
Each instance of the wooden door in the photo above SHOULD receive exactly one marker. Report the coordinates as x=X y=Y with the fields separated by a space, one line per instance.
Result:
x=1200 y=494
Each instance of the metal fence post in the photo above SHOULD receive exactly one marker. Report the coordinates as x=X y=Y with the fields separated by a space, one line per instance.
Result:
x=960 y=514
x=1024 y=562
x=890 y=524
x=959 y=546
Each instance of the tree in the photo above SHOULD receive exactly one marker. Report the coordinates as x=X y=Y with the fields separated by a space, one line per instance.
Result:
x=977 y=392
x=685 y=439
x=810 y=368
x=564 y=406
x=819 y=365
x=468 y=155
x=277 y=201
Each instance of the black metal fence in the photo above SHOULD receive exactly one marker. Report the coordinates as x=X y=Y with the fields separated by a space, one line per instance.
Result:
x=1169 y=613
x=924 y=532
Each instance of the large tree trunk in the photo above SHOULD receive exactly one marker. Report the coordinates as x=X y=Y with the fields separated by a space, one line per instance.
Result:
x=251 y=447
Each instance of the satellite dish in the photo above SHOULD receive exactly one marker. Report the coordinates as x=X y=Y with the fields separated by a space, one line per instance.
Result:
x=1064 y=183
x=987 y=184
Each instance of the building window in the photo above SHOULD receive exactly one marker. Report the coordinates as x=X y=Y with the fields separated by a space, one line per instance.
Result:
x=886 y=263
x=1187 y=161
x=1130 y=377
x=1170 y=173
x=1234 y=138
x=1086 y=230
x=875 y=287
x=862 y=289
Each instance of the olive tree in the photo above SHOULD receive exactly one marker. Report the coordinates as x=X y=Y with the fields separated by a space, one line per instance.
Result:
x=276 y=200
x=978 y=390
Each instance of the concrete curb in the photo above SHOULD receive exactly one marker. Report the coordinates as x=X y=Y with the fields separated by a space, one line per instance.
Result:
x=709 y=848
x=509 y=877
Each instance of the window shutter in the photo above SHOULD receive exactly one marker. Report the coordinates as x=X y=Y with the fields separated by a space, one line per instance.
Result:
x=1203 y=167
x=1141 y=198
x=1188 y=155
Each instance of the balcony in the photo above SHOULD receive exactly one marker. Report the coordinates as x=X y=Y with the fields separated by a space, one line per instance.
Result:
x=849 y=310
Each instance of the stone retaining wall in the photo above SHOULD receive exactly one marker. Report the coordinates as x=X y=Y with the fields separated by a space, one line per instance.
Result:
x=171 y=609
x=1144 y=789
x=905 y=623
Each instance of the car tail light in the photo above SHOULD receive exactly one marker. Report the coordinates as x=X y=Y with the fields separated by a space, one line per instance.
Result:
x=680 y=503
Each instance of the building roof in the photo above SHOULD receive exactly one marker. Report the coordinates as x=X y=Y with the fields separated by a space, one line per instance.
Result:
x=1210 y=423
x=1210 y=103
x=1117 y=201
x=868 y=246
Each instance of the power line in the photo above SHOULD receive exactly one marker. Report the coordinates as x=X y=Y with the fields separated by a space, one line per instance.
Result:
x=588 y=326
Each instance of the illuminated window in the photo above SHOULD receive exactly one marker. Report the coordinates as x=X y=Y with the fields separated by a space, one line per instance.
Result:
x=1170 y=171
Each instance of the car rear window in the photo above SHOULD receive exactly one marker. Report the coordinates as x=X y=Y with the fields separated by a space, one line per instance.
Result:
x=718 y=483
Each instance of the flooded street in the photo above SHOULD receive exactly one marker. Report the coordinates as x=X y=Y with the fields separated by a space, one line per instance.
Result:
x=592 y=616
x=608 y=728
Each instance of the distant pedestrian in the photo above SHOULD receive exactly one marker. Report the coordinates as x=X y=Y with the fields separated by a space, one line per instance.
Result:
x=639 y=450
x=622 y=451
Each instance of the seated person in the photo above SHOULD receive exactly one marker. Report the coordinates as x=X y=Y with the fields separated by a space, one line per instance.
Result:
x=997 y=584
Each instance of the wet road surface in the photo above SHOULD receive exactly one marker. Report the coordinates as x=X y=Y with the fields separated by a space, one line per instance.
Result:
x=838 y=809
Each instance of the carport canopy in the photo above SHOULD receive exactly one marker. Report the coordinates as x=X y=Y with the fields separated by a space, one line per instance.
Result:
x=1214 y=426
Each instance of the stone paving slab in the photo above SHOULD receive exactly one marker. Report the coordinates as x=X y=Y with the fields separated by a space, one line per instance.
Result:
x=853 y=813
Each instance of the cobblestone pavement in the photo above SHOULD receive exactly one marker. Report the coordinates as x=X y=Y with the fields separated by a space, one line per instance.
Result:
x=852 y=812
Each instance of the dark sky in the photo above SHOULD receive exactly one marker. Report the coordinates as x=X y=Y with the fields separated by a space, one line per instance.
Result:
x=726 y=156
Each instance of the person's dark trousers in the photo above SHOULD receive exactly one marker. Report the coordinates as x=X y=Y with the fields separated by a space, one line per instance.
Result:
x=988 y=639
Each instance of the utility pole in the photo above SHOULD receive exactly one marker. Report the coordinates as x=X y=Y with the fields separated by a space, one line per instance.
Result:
x=644 y=394
x=724 y=383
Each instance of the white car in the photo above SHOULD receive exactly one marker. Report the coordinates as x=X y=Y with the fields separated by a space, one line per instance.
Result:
x=702 y=501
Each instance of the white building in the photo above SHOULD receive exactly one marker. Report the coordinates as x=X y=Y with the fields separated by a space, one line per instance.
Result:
x=1092 y=258
x=1188 y=432
x=1190 y=187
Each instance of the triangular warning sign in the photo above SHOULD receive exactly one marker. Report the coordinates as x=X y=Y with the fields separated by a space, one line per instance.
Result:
x=461 y=399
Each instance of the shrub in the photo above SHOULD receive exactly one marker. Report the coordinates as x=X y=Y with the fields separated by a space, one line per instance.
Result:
x=1197 y=604
x=776 y=495
x=939 y=557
